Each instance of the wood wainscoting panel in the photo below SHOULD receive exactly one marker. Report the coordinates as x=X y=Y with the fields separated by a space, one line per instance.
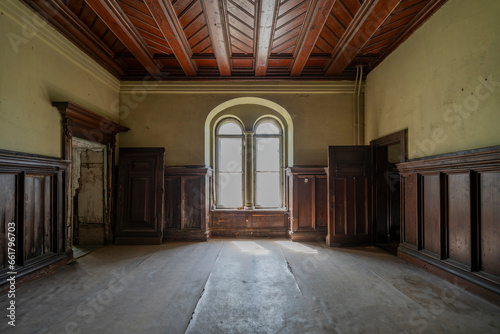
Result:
x=8 y=195
x=32 y=208
x=411 y=209
x=249 y=223
x=457 y=198
x=308 y=198
x=431 y=217
x=187 y=203
x=459 y=218
x=489 y=213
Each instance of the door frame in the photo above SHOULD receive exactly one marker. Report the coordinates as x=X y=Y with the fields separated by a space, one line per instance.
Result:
x=85 y=124
x=400 y=137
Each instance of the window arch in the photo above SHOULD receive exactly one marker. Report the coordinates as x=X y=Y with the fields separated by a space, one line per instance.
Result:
x=229 y=143
x=268 y=171
x=249 y=164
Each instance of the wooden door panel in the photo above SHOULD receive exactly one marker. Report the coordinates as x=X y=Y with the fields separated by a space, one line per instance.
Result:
x=141 y=214
x=140 y=197
x=348 y=195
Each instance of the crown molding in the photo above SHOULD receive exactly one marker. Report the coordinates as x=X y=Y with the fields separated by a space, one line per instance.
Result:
x=24 y=17
x=239 y=86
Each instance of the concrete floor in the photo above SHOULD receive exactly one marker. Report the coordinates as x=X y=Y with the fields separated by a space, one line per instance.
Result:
x=246 y=286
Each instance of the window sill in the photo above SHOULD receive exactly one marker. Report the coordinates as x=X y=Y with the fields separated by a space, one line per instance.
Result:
x=279 y=210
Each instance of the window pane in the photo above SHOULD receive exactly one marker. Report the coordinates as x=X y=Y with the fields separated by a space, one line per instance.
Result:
x=268 y=189
x=230 y=191
x=230 y=157
x=268 y=154
x=267 y=128
x=230 y=128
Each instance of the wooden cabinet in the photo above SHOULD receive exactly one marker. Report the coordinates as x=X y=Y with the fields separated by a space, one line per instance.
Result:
x=187 y=203
x=307 y=203
x=140 y=196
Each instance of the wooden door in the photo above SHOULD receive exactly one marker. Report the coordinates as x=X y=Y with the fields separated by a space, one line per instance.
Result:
x=348 y=195
x=140 y=196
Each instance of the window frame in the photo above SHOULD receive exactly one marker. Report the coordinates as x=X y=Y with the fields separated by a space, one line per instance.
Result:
x=216 y=160
x=267 y=119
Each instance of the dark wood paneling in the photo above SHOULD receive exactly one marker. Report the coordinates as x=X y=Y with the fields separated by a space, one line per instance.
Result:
x=348 y=195
x=411 y=210
x=248 y=223
x=321 y=202
x=308 y=202
x=187 y=203
x=8 y=194
x=305 y=206
x=431 y=217
x=459 y=196
x=172 y=202
x=140 y=196
x=489 y=212
x=459 y=218
x=32 y=192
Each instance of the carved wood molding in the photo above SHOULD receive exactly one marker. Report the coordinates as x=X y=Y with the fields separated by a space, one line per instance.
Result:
x=472 y=159
x=85 y=124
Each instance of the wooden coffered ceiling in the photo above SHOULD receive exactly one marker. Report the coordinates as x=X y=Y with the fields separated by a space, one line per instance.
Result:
x=209 y=39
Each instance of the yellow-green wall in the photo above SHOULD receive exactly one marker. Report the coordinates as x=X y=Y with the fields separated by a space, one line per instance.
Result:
x=443 y=83
x=38 y=65
x=176 y=120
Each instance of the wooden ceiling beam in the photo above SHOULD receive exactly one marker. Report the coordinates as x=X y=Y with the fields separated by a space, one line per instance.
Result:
x=267 y=16
x=113 y=16
x=369 y=18
x=61 y=17
x=214 y=16
x=317 y=16
x=164 y=14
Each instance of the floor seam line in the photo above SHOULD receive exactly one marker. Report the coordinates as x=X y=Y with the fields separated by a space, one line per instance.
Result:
x=204 y=287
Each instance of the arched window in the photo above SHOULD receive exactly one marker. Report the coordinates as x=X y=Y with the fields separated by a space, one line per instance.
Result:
x=249 y=164
x=229 y=164
x=268 y=164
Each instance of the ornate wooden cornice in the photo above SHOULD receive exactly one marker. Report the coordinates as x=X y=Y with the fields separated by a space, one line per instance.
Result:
x=82 y=123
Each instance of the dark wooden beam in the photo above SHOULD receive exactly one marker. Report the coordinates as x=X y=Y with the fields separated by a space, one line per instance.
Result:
x=61 y=18
x=117 y=21
x=164 y=14
x=266 y=18
x=214 y=16
x=317 y=16
x=369 y=18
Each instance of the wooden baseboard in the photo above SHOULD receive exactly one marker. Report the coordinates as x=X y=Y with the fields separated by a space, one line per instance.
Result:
x=469 y=281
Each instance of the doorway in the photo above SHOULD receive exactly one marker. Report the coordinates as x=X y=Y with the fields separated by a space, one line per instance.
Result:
x=89 y=193
x=387 y=152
